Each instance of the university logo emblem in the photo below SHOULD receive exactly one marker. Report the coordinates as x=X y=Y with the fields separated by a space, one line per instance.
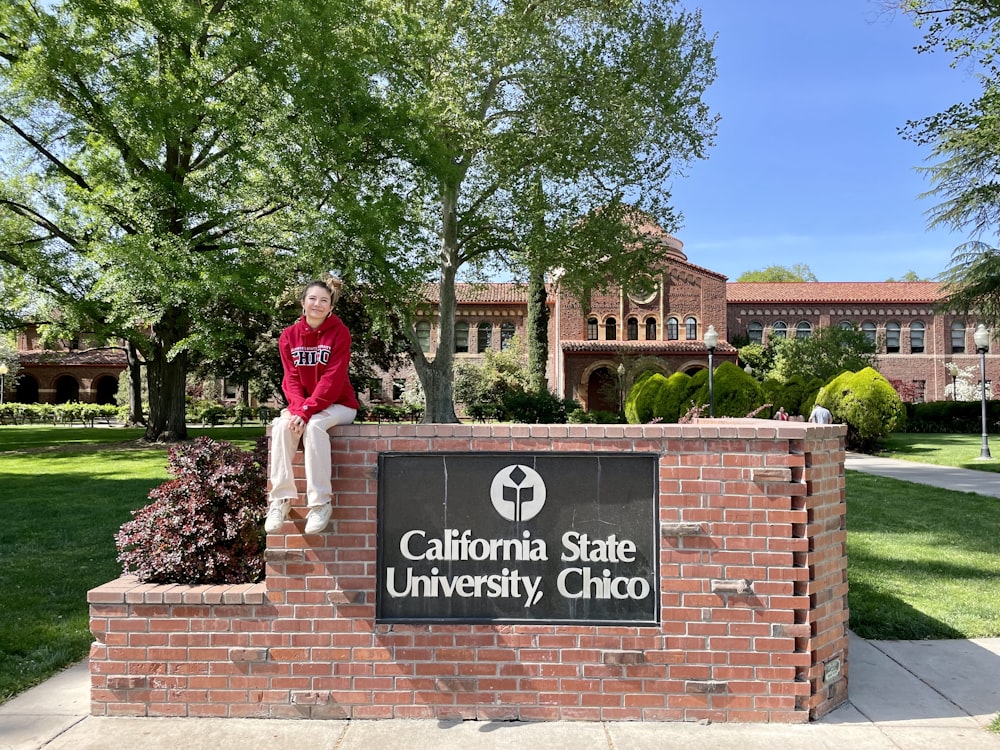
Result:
x=518 y=493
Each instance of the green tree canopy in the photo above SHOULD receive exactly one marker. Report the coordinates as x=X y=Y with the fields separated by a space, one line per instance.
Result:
x=544 y=119
x=798 y=272
x=826 y=352
x=172 y=167
x=965 y=159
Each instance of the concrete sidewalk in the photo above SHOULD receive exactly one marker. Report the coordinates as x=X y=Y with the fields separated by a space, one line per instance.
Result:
x=903 y=694
x=945 y=477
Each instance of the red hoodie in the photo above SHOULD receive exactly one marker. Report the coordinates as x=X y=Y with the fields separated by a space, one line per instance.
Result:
x=315 y=364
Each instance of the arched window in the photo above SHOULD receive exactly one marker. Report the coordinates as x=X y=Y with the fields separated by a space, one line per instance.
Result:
x=958 y=337
x=424 y=335
x=610 y=329
x=650 y=329
x=756 y=332
x=892 y=337
x=846 y=325
x=917 y=330
x=803 y=329
x=779 y=330
x=671 y=329
x=868 y=329
x=592 y=326
x=506 y=334
x=484 y=336
x=632 y=329
x=462 y=336
x=690 y=329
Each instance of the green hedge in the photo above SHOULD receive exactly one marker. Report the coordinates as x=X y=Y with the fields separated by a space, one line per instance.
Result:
x=12 y=412
x=965 y=417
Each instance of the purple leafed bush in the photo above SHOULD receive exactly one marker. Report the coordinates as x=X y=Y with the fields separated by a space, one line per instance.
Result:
x=206 y=525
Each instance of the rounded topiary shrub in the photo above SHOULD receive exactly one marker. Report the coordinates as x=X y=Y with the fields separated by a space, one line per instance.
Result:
x=867 y=403
x=206 y=525
x=640 y=399
x=671 y=397
x=736 y=393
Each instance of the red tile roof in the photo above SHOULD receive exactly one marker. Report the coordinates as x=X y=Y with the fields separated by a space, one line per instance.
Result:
x=113 y=357
x=833 y=292
x=486 y=293
x=645 y=347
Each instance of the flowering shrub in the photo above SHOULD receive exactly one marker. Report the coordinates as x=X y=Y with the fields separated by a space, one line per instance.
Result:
x=206 y=525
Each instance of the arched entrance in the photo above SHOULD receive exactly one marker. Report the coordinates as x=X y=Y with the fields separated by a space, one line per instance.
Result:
x=26 y=391
x=67 y=389
x=105 y=390
x=603 y=391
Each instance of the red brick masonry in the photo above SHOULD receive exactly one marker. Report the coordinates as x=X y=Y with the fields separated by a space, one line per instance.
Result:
x=753 y=616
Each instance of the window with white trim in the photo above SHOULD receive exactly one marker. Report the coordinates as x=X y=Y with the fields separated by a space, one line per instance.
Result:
x=917 y=331
x=484 y=336
x=892 y=329
x=507 y=331
x=424 y=335
x=462 y=337
x=958 y=337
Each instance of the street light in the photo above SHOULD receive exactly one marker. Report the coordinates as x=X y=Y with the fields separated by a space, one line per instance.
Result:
x=711 y=341
x=3 y=379
x=982 y=339
x=952 y=369
x=621 y=387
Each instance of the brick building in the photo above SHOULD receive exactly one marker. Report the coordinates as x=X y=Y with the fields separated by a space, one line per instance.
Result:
x=77 y=370
x=914 y=341
x=596 y=350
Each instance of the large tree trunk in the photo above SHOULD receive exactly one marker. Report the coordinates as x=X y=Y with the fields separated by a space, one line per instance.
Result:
x=167 y=379
x=437 y=377
x=135 y=413
x=538 y=332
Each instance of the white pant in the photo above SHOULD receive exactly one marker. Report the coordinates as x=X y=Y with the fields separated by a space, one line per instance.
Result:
x=316 y=449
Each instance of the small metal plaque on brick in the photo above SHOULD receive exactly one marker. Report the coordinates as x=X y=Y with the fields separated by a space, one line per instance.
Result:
x=516 y=537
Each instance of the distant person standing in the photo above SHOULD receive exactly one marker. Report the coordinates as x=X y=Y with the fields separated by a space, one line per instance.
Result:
x=781 y=415
x=821 y=415
x=315 y=353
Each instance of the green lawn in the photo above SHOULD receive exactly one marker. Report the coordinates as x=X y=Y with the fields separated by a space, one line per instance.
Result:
x=62 y=506
x=961 y=451
x=922 y=562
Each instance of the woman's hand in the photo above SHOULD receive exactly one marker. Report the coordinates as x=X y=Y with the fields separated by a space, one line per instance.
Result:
x=297 y=425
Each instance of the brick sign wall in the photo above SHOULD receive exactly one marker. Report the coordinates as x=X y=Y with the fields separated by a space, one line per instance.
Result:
x=752 y=615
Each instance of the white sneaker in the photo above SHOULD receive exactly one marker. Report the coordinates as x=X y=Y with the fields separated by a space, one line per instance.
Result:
x=276 y=515
x=318 y=518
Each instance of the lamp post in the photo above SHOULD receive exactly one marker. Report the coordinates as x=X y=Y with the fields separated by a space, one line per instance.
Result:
x=982 y=339
x=952 y=369
x=3 y=379
x=711 y=341
x=621 y=387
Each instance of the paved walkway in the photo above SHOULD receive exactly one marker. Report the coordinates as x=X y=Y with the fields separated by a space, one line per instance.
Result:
x=904 y=695
x=962 y=480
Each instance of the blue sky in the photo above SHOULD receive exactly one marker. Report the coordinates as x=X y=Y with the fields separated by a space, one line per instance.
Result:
x=808 y=166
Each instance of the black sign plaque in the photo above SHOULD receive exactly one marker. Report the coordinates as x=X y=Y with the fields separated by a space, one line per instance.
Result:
x=516 y=537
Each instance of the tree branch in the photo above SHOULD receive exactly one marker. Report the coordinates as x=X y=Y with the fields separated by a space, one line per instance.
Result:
x=40 y=148
x=39 y=220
